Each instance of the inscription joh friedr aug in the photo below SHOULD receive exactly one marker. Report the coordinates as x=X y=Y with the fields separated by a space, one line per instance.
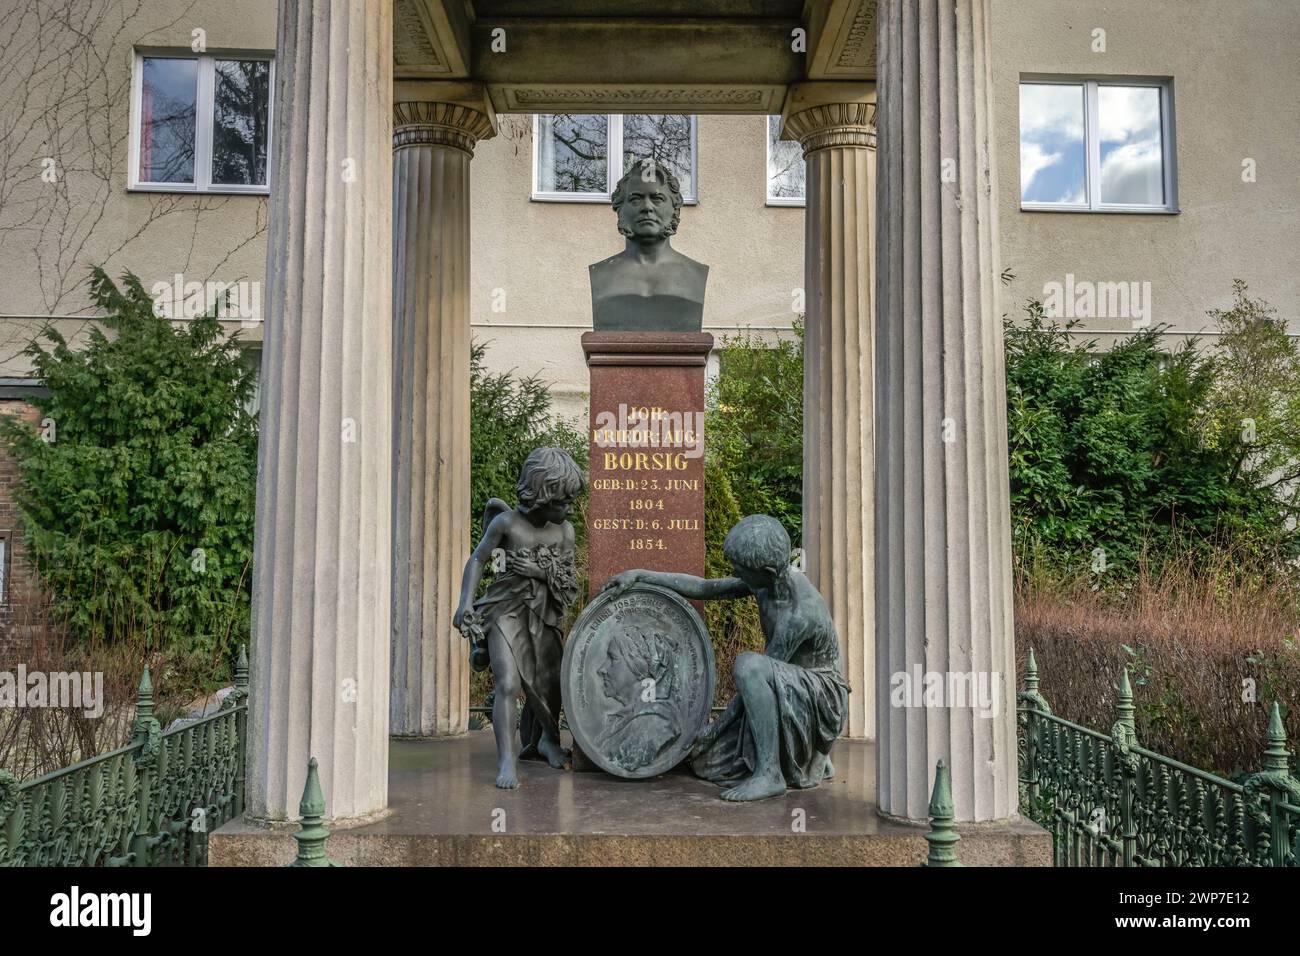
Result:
x=647 y=486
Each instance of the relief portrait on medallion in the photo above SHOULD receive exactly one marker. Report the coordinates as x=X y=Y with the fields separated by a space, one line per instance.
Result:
x=639 y=678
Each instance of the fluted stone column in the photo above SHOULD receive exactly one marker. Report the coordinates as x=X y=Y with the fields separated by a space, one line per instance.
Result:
x=432 y=144
x=839 y=144
x=323 y=548
x=943 y=540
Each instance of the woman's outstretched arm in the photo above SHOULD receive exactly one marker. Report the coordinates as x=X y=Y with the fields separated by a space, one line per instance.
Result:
x=687 y=585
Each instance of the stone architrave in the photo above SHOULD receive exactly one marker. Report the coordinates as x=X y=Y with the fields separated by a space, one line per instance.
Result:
x=834 y=124
x=322 y=550
x=433 y=143
x=943 y=530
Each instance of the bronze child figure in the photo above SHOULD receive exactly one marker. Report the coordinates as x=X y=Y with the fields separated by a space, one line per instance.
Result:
x=792 y=699
x=519 y=615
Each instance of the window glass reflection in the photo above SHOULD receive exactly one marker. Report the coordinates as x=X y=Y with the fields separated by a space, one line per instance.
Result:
x=241 y=93
x=786 y=171
x=1053 y=155
x=168 y=100
x=1132 y=150
x=665 y=138
x=573 y=153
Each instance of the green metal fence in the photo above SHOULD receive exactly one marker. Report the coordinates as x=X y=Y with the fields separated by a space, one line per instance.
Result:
x=150 y=803
x=1108 y=801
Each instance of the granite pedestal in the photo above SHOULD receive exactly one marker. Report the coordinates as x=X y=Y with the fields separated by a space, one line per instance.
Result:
x=444 y=808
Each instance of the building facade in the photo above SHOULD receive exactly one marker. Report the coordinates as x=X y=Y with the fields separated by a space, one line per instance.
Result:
x=1130 y=165
x=1222 y=79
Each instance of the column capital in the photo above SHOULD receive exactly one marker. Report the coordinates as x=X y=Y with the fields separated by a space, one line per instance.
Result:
x=821 y=115
x=834 y=124
x=425 y=123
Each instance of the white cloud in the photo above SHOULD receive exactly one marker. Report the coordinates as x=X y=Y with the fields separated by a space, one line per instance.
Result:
x=1075 y=198
x=1051 y=110
x=1126 y=112
x=1132 y=173
x=1033 y=160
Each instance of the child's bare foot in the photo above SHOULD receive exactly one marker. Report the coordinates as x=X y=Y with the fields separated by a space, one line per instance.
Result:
x=506 y=776
x=757 y=787
x=550 y=748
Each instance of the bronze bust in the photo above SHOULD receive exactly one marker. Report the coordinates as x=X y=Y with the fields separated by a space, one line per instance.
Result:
x=649 y=286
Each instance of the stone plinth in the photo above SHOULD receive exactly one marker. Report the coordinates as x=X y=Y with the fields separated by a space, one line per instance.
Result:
x=443 y=806
x=647 y=452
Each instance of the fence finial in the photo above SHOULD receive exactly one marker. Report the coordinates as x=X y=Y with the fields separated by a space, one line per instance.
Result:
x=311 y=836
x=145 y=731
x=144 y=696
x=1030 y=694
x=241 y=668
x=1275 y=754
x=1124 y=703
x=942 y=835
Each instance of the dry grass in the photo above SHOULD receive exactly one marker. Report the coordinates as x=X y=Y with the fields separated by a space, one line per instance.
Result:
x=1209 y=647
x=39 y=740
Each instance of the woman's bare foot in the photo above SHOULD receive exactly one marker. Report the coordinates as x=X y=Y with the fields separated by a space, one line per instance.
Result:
x=757 y=787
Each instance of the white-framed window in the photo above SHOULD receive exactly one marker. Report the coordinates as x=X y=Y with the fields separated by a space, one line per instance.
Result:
x=201 y=122
x=1101 y=144
x=787 y=172
x=581 y=157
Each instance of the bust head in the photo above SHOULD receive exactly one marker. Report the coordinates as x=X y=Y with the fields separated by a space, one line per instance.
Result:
x=649 y=286
x=648 y=201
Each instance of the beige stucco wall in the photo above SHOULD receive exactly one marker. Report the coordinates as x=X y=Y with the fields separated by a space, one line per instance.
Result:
x=68 y=98
x=537 y=253
x=1236 y=81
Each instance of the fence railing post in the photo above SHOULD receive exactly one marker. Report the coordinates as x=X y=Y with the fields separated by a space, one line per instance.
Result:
x=1036 y=704
x=8 y=804
x=1123 y=735
x=1276 y=780
x=241 y=728
x=942 y=835
x=146 y=734
x=311 y=836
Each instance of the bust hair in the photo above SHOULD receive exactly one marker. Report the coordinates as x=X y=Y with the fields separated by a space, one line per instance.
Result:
x=661 y=173
x=758 y=542
x=549 y=476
